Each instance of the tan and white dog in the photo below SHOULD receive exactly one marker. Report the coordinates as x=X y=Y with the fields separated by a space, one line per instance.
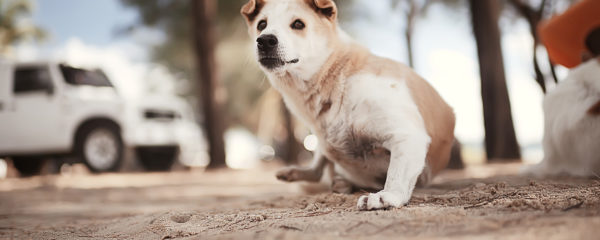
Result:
x=381 y=125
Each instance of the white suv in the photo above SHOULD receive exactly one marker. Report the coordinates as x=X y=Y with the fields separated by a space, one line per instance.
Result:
x=51 y=109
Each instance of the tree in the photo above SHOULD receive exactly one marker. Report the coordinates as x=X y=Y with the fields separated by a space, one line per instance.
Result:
x=12 y=27
x=500 y=139
x=292 y=146
x=534 y=16
x=203 y=13
x=410 y=9
x=408 y=33
x=191 y=33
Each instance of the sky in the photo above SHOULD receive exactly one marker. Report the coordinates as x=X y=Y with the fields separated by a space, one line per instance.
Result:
x=84 y=32
x=91 y=21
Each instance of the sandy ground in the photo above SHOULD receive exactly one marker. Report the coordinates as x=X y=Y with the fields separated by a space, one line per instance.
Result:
x=480 y=202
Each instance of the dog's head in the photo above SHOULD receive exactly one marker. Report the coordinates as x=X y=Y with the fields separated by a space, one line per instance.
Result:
x=291 y=35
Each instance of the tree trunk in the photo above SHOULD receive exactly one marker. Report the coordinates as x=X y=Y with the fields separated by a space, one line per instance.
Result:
x=292 y=146
x=408 y=32
x=203 y=12
x=534 y=17
x=500 y=140
x=456 y=161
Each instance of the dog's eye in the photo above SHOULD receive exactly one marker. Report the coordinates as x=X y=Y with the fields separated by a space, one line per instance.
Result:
x=298 y=25
x=261 y=25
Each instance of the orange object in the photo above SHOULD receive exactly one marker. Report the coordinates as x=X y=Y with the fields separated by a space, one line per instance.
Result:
x=564 y=35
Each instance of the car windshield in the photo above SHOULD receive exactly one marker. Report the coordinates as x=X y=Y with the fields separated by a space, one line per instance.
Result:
x=77 y=76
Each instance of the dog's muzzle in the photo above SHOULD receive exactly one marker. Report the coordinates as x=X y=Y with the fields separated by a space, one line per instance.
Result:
x=268 y=52
x=267 y=43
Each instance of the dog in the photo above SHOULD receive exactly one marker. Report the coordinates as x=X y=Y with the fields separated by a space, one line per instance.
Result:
x=572 y=120
x=378 y=123
x=572 y=126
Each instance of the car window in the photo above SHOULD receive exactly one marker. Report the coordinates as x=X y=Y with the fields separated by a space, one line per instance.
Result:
x=156 y=114
x=29 y=79
x=77 y=76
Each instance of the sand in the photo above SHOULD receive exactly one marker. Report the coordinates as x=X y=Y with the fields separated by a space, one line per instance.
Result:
x=488 y=202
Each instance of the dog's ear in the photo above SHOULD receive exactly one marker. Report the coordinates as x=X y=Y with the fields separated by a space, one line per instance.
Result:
x=251 y=9
x=595 y=109
x=326 y=8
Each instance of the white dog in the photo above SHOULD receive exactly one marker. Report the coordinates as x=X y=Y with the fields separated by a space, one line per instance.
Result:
x=572 y=125
x=381 y=125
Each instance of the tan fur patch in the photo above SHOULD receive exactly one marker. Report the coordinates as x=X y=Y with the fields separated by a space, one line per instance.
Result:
x=595 y=109
x=437 y=114
x=325 y=8
x=252 y=9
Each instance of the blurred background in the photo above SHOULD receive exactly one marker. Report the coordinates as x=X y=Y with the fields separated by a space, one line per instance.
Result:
x=133 y=85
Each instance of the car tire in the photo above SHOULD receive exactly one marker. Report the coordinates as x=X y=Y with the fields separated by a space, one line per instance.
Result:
x=28 y=166
x=157 y=159
x=100 y=147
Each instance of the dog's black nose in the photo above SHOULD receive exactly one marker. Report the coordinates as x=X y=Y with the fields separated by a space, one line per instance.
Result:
x=267 y=42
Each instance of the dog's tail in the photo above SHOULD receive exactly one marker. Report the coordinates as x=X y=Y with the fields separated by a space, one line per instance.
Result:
x=456 y=161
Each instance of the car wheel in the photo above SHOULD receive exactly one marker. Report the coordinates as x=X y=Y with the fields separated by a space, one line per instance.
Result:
x=28 y=166
x=157 y=158
x=100 y=147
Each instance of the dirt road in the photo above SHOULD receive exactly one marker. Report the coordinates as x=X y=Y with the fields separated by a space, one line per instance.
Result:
x=253 y=205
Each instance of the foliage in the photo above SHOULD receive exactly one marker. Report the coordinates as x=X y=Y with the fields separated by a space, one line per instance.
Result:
x=173 y=18
x=14 y=24
x=535 y=12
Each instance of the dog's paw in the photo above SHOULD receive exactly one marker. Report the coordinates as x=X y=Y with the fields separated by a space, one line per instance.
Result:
x=380 y=200
x=289 y=174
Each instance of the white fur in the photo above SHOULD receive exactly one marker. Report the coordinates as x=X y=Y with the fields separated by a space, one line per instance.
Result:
x=571 y=135
x=367 y=106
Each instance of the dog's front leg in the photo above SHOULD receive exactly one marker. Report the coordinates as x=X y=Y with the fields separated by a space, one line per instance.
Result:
x=311 y=174
x=407 y=161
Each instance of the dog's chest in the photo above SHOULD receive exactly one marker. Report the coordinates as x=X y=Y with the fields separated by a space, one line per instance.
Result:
x=347 y=143
x=358 y=151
